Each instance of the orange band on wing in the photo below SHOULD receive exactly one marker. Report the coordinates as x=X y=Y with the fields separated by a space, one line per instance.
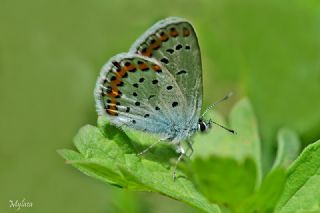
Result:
x=186 y=32
x=116 y=81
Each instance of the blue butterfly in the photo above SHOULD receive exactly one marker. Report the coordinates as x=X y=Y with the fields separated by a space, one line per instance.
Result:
x=157 y=86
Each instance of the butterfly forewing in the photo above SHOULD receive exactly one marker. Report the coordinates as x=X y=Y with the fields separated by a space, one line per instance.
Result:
x=139 y=92
x=173 y=42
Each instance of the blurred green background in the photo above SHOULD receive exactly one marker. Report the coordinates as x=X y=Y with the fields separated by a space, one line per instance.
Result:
x=51 y=53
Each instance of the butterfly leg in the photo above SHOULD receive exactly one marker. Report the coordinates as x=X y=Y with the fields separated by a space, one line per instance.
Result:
x=147 y=149
x=189 y=143
x=182 y=153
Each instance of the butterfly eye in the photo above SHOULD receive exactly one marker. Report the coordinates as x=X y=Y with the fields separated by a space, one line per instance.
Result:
x=202 y=126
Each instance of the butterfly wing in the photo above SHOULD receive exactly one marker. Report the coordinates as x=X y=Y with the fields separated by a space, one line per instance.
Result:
x=174 y=43
x=138 y=92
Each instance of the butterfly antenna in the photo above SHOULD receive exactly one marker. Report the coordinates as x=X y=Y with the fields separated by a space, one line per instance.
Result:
x=223 y=127
x=216 y=103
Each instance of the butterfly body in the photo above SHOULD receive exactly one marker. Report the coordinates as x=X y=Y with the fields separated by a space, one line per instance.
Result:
x=157 y=86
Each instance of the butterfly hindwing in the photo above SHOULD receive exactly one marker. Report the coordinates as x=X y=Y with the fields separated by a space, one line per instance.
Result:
x=173 y=42
x=139 y=92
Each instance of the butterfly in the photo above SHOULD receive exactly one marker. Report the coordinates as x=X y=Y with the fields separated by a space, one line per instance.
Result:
x=157 y=86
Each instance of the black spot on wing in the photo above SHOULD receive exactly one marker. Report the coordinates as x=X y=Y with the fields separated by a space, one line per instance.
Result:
x=135 y=85
x=178 y=47
x=151 y=96
x=141 y=80
x=170 y=51
x=174 y=104
x=169 y=87
x=164 y=60
x=181 y=72
x=109 y=90
x=117 y=65
x=120 y=84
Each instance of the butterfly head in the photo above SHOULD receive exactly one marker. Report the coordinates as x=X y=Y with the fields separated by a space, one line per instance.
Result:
x=204 y=125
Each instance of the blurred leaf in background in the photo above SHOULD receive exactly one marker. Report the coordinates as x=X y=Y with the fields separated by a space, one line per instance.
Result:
x=270 y=51
x=227 y=167
x=51 y=53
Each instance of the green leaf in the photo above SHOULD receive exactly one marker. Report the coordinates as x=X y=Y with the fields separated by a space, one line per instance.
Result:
x=225 y=168
x=245 y=144
x=288 y=148
x=302 y=191
x=91 y=168
x=113 y=160
x=267 y=195
x=223 y=180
